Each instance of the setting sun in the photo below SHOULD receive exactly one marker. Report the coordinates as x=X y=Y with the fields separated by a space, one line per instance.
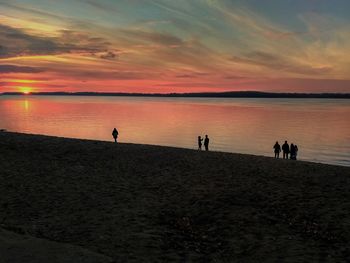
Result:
x=25 y=90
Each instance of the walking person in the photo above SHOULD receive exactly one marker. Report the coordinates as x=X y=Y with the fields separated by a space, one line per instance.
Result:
x=285 y=149
x=200 y=143
x=206 y=143
x=115 y=134
x=277 y=148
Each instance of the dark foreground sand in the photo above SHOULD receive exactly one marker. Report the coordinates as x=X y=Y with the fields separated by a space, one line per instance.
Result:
x=140 y=203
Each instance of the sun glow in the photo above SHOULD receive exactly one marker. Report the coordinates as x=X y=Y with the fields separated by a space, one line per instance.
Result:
x=21 y=80
x=25 y=90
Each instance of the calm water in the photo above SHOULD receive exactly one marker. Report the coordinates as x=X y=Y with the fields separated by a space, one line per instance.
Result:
x=320 y=127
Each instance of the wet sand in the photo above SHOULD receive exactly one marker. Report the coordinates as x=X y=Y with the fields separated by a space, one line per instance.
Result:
x=132 y=203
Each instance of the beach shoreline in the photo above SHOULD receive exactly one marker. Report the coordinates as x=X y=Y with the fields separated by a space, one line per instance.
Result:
x=175 y=147
x=131 y=202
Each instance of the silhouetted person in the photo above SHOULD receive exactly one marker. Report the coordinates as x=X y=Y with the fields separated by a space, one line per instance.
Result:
x=206 y=143
x=296 y=151
x=115 y=134
x=200 y=143
x=285 y=149
x=277 y=148
x=292 y=152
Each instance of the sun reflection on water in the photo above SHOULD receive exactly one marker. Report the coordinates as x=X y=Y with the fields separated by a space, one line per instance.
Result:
x=26 y=105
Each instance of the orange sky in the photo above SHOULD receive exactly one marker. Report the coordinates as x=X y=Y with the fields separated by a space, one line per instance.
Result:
x=174 y=46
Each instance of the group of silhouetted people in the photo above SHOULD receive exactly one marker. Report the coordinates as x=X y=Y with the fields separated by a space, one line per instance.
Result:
x=206 y=143
x=290 y=152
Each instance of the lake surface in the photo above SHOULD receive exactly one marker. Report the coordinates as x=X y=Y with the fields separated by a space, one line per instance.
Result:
x=320 y=127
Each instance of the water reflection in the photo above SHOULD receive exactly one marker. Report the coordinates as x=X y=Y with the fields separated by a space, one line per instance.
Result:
x=319 y=127
x=26 y=105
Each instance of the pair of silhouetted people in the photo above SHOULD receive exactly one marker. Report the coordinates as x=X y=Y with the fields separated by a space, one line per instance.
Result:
x=292 y=150
x=115 y=134
x=206 y=143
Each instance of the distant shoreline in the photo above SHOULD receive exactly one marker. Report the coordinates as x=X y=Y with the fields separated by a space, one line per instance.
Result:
x=230 y=94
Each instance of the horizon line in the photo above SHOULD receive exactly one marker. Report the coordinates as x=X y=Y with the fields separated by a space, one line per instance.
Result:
x=227 y=94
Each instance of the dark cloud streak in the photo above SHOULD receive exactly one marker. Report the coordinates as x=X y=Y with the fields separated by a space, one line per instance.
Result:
x=15 y=42
x=109 y=55
x=5 y=69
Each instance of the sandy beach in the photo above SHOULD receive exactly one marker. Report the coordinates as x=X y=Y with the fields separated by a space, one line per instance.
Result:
x=70 y=200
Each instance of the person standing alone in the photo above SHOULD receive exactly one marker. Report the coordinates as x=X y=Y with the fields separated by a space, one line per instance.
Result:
x=115 y=134
x=206 y=143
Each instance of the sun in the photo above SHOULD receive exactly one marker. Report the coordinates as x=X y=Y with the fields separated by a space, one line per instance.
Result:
x=25 y=90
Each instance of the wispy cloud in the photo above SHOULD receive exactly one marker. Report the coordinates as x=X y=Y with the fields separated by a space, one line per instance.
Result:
x=101 y=5
x=34 y=11
x=280 y=63
x=153 y=37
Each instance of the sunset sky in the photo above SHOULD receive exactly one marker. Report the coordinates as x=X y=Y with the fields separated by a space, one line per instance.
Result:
x=175 y=45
